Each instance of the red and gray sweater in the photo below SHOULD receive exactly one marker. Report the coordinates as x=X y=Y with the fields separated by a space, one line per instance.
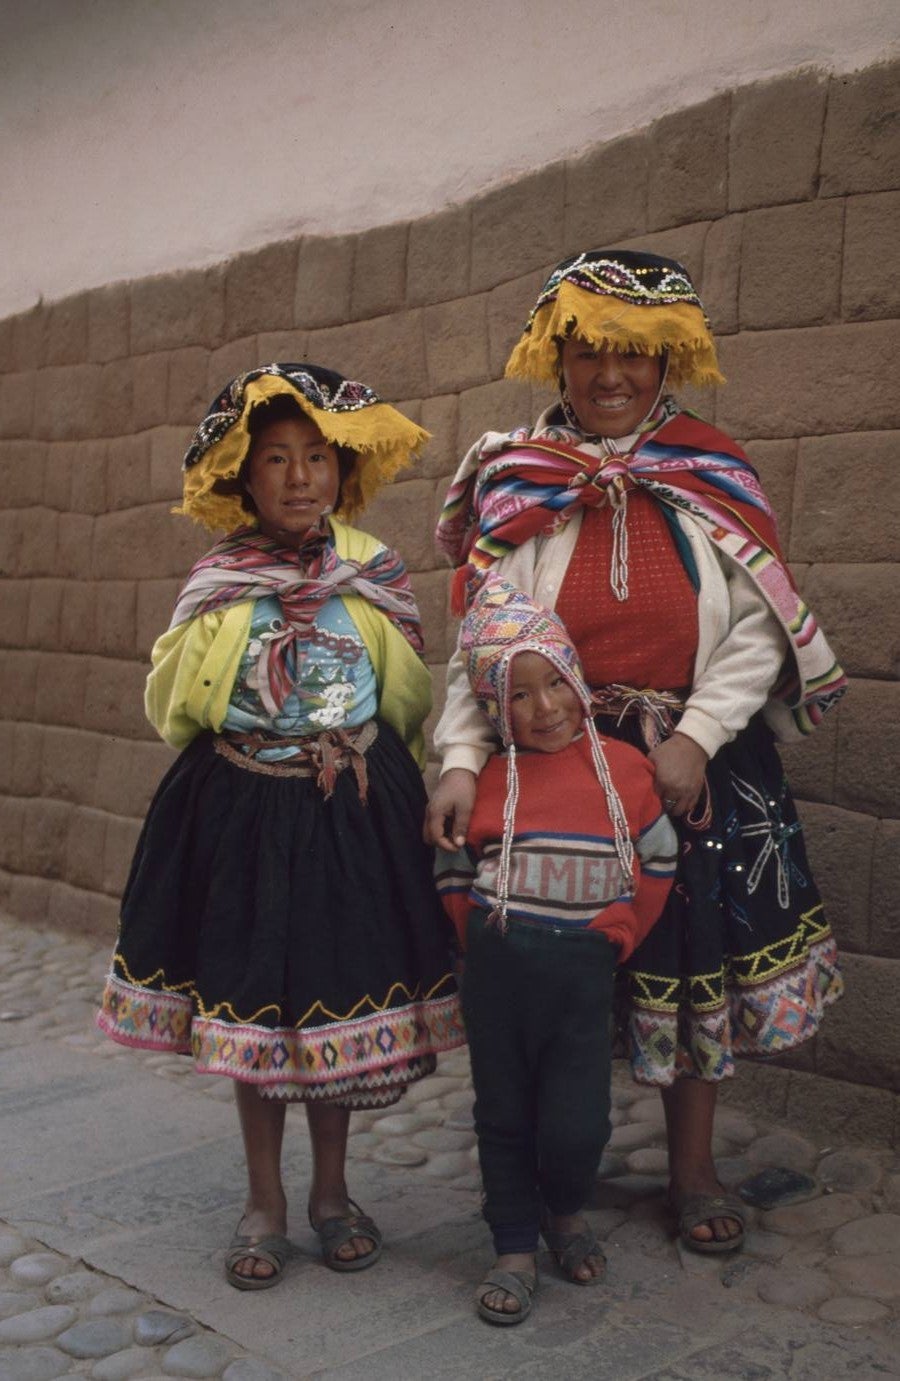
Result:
x=564 y=869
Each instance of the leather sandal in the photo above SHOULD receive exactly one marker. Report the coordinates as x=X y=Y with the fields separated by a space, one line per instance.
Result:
x=572 y=1249
x=694 y=1209
x=519 y=1284
x=274 y=1249
x=334 y=1233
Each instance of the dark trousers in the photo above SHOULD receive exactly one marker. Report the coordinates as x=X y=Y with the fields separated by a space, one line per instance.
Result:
x=537 y=1003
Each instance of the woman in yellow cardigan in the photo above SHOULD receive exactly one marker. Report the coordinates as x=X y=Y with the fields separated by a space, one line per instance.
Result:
x=280 y=922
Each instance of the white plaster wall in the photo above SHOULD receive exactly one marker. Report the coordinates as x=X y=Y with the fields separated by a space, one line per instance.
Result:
x=138 y=136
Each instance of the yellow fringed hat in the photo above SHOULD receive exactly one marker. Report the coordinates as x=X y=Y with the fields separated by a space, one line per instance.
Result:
x=347 y=414
x=618 y=299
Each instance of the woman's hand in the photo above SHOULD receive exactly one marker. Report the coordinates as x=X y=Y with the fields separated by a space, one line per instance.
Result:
x=449 y=810
x=680 y=765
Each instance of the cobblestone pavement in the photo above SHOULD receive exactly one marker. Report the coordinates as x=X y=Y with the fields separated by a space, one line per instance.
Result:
x=833 y=1261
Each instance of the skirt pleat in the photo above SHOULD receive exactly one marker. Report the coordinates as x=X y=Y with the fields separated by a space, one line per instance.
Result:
x=283 y=939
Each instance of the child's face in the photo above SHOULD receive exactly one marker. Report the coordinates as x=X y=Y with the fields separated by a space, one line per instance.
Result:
x=544 y=710
x=293 y=478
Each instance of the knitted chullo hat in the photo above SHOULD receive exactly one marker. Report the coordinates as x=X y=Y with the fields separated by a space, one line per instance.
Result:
x=619 y=299
x=348 y=415
x=501 y=623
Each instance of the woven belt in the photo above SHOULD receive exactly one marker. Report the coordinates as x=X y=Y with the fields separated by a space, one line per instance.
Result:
x=322 y=756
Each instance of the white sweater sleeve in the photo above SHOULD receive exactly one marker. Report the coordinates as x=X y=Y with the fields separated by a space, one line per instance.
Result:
x=741 y=670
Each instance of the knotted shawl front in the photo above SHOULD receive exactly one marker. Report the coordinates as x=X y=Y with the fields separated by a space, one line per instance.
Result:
x=517 y=487
x=248 y=565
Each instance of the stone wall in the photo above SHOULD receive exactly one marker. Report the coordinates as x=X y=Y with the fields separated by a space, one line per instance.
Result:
x=782 y=199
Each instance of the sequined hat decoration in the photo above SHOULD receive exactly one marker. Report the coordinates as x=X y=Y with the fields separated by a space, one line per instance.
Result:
x=624 y=300
x=347 y=413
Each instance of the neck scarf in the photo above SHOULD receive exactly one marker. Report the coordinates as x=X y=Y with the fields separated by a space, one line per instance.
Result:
x=516 y=487
x=248 y=565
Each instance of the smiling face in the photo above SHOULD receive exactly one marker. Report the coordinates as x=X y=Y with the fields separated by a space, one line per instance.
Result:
x=293 y=478
x=610 y=391
x=544 y=711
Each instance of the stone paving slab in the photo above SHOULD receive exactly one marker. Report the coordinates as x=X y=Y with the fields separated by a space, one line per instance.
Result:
x=122 y=1181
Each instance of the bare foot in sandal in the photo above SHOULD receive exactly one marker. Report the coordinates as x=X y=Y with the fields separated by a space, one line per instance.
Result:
x=262 y=1233
x=333 y=1220
x=575 y=1246
x=498 y=1304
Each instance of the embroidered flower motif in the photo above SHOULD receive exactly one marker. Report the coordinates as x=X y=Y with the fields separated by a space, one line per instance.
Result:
x=774 y=834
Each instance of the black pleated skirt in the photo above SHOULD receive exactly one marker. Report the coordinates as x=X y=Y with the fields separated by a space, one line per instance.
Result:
x=284 y=939
x=742 y=960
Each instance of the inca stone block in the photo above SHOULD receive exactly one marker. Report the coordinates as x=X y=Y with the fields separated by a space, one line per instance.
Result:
x=187 y=396
x=167 y=448
x=66 y=340
x=229 y=361
x=840 y=845
x=121 y=838
x=128 y=773
x=439 y=417
x=782 y=383
x=379 y=272
x=172 y=310
x=128 y=472
x=150 y=383
x=885 y=923
x=259 y=290
x=12 y=823
x=387 y=353
x=606 y=194
x=45 y=830
x=324 y=279
x=68 y=764
x=17 y=404
x=722 y=273
x=155 y=602
x=431 y=588
x=115 y=407
x=38 y=536
x=26 y=766
x=44 y=607
x=78 y=616
x=285 y=347
x=14 y=613
x=776 y=135
x=116 y=611
x=395 y=515
x=861 y=144
x=456 y=343
x=791 y=265
x=438 y=262
x=508 y=308
x=109 y=318
x=870 y=283
x=29 y=339
x=60 y=689
x=688 y=168
x=859 y=607
x=113 y=697
x=145 y=543
x=22 y=473
x=28 y=898
x=853 y=1044
x=18 y=684
x=518 y=227
x=7 y=354
x=88 y=492
x=868 y=762
x=495 y=407
x=837 y=475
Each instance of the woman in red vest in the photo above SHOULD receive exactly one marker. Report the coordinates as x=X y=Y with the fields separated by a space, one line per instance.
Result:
x=648 y=532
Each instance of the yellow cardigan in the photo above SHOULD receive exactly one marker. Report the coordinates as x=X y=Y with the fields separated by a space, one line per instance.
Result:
x=195 y=664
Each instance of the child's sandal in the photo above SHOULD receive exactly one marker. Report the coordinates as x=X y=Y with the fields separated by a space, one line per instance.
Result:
x=519 y=1284
x=572 y=1249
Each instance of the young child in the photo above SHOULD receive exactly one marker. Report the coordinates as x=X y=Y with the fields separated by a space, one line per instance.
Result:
x=280 y=921
x=568 y=862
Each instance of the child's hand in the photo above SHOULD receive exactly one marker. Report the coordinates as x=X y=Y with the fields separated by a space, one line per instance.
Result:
x=450 y=809
x=680 y=765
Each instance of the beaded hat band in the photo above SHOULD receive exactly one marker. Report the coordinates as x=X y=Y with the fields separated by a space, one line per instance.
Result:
x=618 y=299
x=347 y=413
